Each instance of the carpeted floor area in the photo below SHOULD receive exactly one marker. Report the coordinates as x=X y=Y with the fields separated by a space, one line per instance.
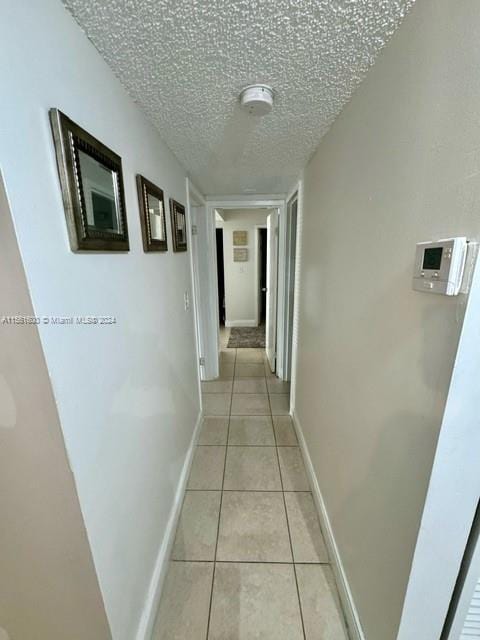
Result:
x=247 y=337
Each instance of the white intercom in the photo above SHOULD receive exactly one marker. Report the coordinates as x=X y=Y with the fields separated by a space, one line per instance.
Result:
x=439 y=266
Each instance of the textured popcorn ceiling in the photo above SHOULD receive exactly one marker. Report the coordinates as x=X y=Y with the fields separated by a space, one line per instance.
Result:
x=185 y=61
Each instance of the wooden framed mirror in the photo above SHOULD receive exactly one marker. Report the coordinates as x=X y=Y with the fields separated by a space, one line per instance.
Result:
x=152 y=215
x=179 y=225
x=92 y=188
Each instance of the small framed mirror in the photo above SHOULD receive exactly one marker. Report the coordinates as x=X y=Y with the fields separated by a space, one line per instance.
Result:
x=92 y=188
x=152 y=215
x=179 y=225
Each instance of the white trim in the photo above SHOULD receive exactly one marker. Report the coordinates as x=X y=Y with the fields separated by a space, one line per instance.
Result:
x=193 y=194
x=271 y=316
x=289 y=275
x=241 y=323
x=206 y=306
x=211 y=303
x=345 y=593
x=295 y=189
x=296 y=294
x=246 y=202
x=152 y=600
x=281 y=270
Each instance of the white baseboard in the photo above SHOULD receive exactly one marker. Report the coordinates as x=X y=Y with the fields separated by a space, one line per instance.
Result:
x=147 y=620
x=241 y=323
x=350 y=610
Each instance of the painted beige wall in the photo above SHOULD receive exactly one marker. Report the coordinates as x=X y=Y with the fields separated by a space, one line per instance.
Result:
x=400 y=165
x=48 y=586
x=241 y=282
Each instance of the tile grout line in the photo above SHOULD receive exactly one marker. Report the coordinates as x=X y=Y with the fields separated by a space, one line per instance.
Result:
x=248 y=490
x=314 y=564
x=288 y=527
x=261 y=446
x=221 y=501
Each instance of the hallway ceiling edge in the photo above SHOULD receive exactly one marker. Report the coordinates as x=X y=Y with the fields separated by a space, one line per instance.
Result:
x=185 y=62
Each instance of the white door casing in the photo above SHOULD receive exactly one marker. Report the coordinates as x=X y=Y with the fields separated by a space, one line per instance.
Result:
x=465 y=623
x=289 y=288
x=272 y=273
x=199 y=232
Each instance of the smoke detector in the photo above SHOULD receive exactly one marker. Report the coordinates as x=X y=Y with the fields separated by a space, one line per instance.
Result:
x=257 y=99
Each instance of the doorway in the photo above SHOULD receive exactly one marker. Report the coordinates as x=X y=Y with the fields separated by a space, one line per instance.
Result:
x=262 y=275
x=241 y=310
x=242 y=254
x=220 y=277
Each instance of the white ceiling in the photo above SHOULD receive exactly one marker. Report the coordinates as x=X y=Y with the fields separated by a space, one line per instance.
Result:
x=185 y=61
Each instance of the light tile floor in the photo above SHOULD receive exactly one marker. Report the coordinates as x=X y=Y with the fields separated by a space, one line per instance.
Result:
x=249 y=560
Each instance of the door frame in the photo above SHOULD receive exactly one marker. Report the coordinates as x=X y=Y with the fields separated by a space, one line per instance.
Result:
x=196 y=199
x=272 y=338
x=237 y=202
x=298 y=190
x=290 y=275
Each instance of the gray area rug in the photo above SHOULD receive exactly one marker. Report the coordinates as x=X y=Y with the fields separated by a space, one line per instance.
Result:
x=247 y=338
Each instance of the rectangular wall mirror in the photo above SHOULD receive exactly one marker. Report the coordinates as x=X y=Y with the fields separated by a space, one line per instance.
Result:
x=179 y=225
x=92 y=188
x=152 y=215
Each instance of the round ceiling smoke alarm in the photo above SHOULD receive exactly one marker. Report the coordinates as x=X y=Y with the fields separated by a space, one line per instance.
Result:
x=257 y=99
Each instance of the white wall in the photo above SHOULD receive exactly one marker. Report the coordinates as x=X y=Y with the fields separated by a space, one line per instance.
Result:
x=127 y=394
x=400 y=165
x=241 y=278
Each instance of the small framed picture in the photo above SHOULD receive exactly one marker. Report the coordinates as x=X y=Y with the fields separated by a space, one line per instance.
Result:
x=240 y=238
x=179 y=225
x=152 y=215
x=91 y=180
x=240 y=255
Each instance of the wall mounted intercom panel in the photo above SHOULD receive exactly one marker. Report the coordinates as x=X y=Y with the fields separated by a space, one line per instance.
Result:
x=439 y=266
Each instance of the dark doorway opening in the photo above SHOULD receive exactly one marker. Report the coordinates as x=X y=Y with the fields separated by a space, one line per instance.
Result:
x=262 y=260
x=220 y=277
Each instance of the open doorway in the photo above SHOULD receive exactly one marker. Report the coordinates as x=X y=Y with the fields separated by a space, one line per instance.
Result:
x=242 y=276
x=220 y=277
x=241 y=256
x=262 y=275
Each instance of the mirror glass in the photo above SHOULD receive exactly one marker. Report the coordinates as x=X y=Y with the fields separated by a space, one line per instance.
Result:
x=181 y=229
x=155 y=214
x=100 y=190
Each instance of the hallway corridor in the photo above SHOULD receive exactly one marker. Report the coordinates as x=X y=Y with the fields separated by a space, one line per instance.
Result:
x=303 y=177
x=249 y=560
